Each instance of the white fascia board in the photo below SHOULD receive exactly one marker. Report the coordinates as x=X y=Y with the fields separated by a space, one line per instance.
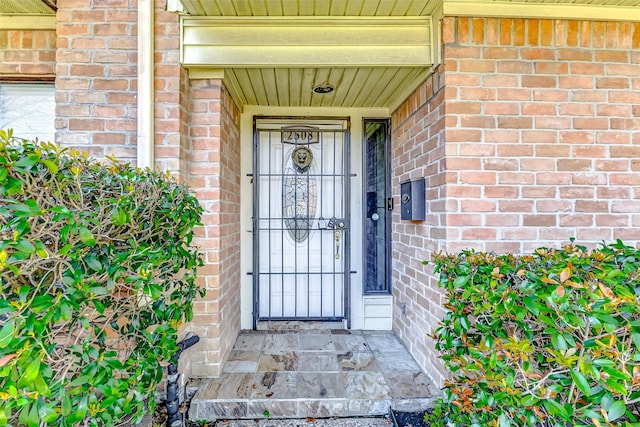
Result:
x=27 y=22
x=306 y=41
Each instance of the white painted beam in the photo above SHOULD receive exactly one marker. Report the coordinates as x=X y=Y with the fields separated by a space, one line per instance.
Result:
x=27 y=22
x=306 y=42
x=206 y=73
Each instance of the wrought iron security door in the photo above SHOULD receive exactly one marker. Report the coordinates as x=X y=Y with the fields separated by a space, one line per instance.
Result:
x=301 y=219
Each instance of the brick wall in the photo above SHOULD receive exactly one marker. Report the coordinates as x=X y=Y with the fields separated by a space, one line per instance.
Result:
x=541 y=141
x=418 y=150
x=96 y=77
x=229 y=158
x=97 y=80
x=27 y=55
x=214 y=174
x=171 y=92
x=542 y=120
x=196 y=138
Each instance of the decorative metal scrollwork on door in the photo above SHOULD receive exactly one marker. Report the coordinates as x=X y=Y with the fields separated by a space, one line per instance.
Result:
x=299 y=187
x=301 y=219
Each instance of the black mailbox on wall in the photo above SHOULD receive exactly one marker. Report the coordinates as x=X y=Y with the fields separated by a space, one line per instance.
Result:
x=412 y=200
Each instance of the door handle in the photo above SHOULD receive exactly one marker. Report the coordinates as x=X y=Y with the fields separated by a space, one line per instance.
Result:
x=375 y=217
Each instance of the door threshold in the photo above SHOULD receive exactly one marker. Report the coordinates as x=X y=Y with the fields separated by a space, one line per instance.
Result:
x=299 y=325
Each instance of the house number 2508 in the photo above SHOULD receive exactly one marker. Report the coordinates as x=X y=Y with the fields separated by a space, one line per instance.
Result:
x=300 y=137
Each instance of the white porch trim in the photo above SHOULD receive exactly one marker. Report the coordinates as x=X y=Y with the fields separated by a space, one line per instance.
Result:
x=27 y=22
x=306 y=41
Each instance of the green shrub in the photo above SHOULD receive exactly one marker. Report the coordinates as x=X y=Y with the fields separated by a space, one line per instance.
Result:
x=97 y=275
x=549 y=339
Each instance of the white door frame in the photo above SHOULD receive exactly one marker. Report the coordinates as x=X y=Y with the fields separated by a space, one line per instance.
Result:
x=303 y=272
x=246 y=196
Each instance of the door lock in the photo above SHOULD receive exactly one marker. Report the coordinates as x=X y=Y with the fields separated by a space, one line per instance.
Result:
x=331 y=224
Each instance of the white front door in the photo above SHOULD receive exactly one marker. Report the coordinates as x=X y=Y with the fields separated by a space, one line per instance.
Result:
x=301 y=219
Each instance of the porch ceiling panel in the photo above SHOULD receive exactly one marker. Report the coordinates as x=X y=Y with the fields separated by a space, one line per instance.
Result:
x=369 y=87
x=26 y=7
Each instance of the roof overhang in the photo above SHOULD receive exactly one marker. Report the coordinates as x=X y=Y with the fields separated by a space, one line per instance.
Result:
x=28 y=14
x=375 y=53
x=372 y=61
x=602 y=10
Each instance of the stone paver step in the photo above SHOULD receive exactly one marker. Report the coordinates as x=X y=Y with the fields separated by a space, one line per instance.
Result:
x=316 y=374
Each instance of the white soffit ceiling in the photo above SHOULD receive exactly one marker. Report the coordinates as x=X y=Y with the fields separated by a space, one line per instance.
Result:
x=25 y=7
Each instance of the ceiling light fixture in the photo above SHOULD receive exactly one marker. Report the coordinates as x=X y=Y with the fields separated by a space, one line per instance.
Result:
x=323 y=89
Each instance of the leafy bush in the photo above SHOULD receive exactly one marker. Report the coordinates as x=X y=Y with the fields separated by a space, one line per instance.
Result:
x=97 y=275
x=549 y=339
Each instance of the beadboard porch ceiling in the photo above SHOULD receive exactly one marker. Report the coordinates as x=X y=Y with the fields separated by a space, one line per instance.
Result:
x=45 y=7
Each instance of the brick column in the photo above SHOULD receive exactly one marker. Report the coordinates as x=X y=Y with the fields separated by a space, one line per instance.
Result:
x=418 y=150
x=214 y=173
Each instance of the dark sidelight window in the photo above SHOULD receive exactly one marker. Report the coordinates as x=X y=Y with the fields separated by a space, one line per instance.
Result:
x=378 y=205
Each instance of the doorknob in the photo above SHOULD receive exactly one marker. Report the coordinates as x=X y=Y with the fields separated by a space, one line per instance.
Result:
x=375 y=217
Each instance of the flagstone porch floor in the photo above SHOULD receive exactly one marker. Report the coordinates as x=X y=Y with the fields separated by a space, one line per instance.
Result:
x=314 y=373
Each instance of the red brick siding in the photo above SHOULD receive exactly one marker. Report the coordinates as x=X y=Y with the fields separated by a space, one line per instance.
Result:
x=170 y=91
x=96 y=77
x=196 y=138
x=418 y=150
x=542 y=133
x=27 y=54
x=229 y=158
x=214 y=174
